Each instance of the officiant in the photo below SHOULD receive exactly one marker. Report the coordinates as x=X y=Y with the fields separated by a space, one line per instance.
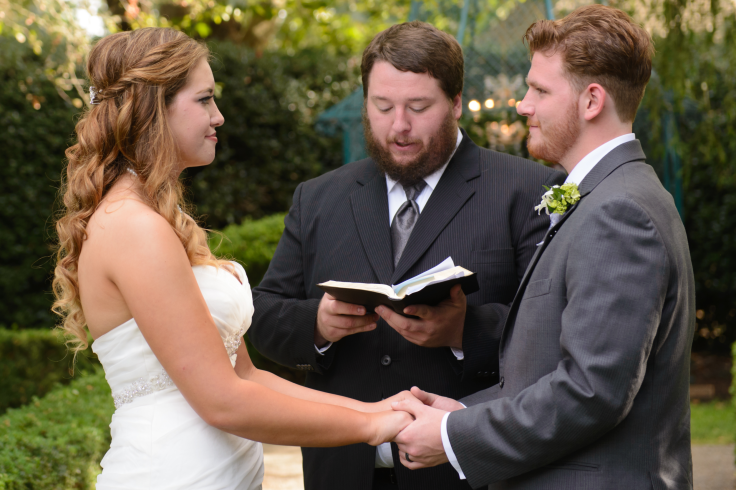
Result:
x=426 y=193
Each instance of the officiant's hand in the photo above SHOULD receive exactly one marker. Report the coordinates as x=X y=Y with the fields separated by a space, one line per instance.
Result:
x=336 y=320
x=437 y=326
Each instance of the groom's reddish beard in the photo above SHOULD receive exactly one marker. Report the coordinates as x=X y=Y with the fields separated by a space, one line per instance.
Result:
x=429 y=159
x=555 y=140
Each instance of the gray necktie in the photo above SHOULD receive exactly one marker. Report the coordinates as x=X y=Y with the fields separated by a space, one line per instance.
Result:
x=405 y=219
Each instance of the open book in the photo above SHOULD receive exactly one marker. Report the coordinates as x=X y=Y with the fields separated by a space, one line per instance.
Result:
x=428 y=288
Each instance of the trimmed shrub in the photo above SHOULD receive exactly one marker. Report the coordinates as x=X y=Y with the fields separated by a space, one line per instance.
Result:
x=252 y=243
x=57 y=441
x=32 y=362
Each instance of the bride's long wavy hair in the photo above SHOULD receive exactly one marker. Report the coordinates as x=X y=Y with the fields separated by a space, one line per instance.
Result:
x=136 y=75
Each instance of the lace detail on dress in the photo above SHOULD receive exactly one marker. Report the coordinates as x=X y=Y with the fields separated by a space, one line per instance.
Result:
x=141 y=387
x=232 y=342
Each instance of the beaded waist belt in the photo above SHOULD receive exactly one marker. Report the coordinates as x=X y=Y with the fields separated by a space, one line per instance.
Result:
x=141 y=387
x=160 y=381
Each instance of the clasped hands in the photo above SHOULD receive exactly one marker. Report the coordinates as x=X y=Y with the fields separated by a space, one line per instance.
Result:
x=420 y=442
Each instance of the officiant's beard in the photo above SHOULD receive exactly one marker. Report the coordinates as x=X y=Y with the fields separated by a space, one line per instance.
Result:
x=429 y=159
x=554 y=140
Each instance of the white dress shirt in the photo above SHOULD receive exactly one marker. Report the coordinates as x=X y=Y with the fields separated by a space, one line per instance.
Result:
x=397 y=197
x=579 y=172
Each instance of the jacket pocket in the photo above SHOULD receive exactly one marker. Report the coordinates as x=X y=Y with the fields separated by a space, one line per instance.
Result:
x=493 y=256
x=573 y=465
x=537 y=288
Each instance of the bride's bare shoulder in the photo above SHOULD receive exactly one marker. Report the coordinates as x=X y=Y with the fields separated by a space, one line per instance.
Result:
x=126 y=222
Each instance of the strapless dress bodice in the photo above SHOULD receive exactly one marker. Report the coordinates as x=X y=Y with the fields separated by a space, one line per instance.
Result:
x=158 y=441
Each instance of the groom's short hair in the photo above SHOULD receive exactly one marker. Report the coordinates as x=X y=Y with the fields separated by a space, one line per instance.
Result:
x=420 y=48
x=601 y=45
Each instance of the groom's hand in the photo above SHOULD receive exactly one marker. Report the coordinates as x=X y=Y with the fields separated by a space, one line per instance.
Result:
x=422 y=439
x=336 y=320
x=437 y=326
x=435 y=401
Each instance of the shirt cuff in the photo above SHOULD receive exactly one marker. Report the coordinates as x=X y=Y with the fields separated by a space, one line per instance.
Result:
x=458 y=353
x=384 y=458
x=448 y=448
x=321 y=351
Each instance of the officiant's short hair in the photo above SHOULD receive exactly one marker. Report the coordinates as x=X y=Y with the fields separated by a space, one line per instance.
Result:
x=417 y=47
x=599 y=44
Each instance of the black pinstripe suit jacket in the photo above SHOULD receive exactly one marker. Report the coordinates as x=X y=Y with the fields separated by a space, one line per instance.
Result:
x=481 y=214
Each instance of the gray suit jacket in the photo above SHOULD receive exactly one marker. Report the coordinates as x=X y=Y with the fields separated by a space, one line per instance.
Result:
x=594 y=355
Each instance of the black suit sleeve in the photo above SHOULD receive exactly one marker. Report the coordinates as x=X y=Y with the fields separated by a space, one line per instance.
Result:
x=284 y=318
x=484 y=324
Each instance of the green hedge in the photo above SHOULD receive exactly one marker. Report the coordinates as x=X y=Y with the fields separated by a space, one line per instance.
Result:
x=33 y=143
x=57 y=442
x=32 y=362
x=252 y=243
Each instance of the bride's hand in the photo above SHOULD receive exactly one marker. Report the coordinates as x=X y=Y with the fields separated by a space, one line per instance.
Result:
x=385 y=426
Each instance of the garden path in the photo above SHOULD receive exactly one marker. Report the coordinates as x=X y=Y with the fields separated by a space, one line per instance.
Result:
x=283 y=468
x=713 y=467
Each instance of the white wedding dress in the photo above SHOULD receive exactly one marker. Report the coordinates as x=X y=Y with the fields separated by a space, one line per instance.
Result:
x=158 y=440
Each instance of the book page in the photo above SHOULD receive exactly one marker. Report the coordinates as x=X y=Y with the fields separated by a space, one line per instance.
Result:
x=425 y=281
x=445 y=265
x=376 y=288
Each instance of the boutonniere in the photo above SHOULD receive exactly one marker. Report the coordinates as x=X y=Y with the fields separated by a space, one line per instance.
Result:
x=558 y=198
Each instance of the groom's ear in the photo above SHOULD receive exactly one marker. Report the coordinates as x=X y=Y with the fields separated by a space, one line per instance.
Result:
x=593 y=100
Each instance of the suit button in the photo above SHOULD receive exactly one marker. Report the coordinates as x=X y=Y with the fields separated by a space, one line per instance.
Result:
x=500 y=383
x=386 y=360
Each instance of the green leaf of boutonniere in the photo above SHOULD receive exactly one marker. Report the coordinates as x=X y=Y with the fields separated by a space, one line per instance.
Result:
x=558 y=198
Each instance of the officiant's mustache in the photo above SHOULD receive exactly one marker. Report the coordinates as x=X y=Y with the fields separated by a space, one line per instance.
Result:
x=429 y=159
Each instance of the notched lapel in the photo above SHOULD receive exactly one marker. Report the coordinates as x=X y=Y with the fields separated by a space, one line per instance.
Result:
x=370 y=211
x=450 y=195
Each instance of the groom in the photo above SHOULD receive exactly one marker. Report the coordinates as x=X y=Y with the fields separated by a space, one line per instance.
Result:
x=427 y=193
x=594 y=356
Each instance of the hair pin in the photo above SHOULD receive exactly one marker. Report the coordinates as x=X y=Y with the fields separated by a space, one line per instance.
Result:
x=93 y=96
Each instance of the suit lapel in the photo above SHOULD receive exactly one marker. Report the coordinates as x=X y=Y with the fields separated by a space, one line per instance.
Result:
x=450 y=195
x=370 y=211
x=628 y=152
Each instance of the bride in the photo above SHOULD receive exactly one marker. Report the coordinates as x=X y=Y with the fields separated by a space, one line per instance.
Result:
x=167 y=316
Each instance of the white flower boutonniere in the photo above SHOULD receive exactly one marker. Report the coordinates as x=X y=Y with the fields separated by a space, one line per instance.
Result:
x=558 y=198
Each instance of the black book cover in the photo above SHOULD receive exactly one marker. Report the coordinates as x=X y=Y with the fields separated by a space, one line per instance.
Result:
x=431 y=295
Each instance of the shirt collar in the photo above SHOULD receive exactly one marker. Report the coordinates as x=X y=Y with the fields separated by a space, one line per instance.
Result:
x=591 y=159
x=434 y=178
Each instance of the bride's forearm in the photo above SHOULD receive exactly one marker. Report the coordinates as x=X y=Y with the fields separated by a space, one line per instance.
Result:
x=281 y=418
x=262 y=407
x=294 y=390
x=246 y=370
